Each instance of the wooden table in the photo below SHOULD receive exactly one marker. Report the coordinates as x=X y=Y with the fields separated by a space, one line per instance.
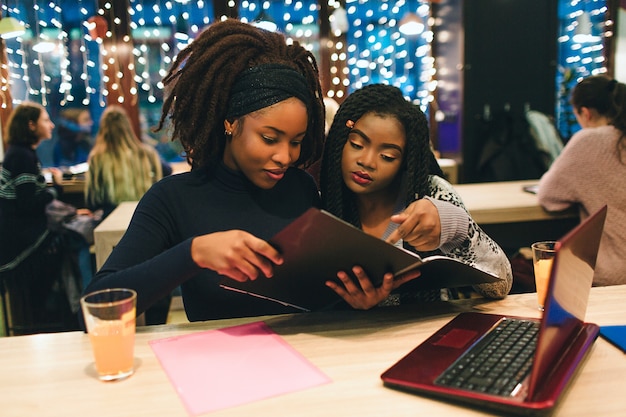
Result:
x=52 y=374
x=74 y=185
x=513 y=217
x=73 y=191
x=108 y=233
x=506 y=202
x=450 y=169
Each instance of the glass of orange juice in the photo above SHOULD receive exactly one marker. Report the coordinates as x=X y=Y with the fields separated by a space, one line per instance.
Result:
x=543 y=255
x=110 y=320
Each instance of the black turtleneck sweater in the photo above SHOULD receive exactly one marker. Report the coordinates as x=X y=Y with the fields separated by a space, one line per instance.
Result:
x=154 y=256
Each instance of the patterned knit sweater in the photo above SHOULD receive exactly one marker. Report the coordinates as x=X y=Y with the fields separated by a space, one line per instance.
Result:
x=589 y=174
x=462 y=239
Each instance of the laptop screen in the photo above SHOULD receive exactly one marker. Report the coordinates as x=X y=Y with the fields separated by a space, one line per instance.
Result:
x=566 y=302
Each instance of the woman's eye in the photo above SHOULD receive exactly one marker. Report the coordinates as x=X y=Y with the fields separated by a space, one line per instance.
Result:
x=356 y=145
x=388 y=158
x=268 y=139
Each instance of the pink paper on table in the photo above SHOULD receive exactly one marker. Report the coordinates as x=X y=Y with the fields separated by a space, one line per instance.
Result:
x=222 y=368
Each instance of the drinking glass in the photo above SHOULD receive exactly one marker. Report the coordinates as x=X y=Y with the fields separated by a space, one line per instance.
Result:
x=543 y=255
x=110 y=320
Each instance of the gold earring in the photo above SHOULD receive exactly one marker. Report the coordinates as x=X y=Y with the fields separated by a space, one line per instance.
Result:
x=228 y=132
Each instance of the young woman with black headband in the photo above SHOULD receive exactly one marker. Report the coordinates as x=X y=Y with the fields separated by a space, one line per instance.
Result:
x=248 y=109
x=591 y=169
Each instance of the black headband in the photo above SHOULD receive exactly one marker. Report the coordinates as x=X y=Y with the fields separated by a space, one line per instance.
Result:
x=264 y=85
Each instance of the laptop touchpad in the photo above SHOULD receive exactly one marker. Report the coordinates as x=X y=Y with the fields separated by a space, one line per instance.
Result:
x=456 y=338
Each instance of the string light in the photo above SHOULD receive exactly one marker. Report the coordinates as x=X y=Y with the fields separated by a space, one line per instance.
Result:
x=583 y=26
x=379 y=52
x=24 y=67
x=84 y=53
x=6 y=68
x=65 y=87
x=141 y=51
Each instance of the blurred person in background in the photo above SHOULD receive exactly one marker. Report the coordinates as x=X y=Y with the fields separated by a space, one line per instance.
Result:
x=121 y=168
x=74 y=137
x=591 y=168
x=29 y=250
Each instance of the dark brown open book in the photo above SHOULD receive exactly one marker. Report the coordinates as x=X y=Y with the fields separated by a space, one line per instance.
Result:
x=317 y=245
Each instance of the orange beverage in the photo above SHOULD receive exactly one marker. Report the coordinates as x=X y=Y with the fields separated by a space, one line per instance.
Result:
x=543 y=255
x=113 y=343
x=110 y=317
x=542 y=278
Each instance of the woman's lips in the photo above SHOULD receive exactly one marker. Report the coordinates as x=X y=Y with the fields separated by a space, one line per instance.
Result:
x=361 y=178
x=276 y=174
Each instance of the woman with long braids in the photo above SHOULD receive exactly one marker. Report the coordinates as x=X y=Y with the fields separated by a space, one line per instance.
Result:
x=379 y=173
x=590 y=170
x=247 y=107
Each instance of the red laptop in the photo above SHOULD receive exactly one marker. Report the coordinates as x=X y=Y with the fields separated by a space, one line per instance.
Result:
x=513 y=364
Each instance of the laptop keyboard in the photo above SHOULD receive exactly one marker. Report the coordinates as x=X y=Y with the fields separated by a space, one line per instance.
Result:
x=498 y=363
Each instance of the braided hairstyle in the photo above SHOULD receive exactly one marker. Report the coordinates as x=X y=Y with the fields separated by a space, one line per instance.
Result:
x=419 y=161
x=198 y=87
x=607 y=97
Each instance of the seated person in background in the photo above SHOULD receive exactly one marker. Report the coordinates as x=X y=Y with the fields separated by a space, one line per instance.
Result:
x=121 y=168
x=590 y=170
x=29 y=250
x=247 y=107
x=379 y=174
x=74 y=137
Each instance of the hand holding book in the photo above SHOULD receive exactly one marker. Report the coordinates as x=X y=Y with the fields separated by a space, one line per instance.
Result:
x=362 y=294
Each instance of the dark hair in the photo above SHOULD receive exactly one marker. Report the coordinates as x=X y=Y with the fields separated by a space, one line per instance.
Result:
x=18 y=130
x=605 y=95
x=200 y=81
x=419 y=161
